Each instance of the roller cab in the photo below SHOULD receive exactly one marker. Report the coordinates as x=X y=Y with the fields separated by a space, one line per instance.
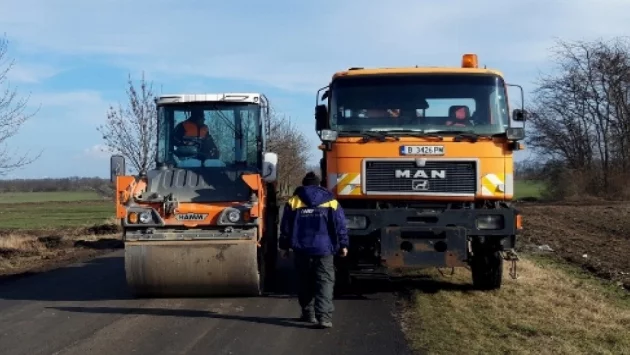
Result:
x=203 y=221
x=421 y=160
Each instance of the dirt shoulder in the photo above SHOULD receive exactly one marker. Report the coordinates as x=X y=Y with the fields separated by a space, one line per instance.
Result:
x=33 y=251
x=594 y=236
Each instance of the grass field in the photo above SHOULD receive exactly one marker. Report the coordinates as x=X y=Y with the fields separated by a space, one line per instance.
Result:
x=53 y=210
x=26 y=197
x=525 y=189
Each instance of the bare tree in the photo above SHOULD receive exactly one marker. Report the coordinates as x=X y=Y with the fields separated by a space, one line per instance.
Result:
x=292 y=148
x=132 y=131
x=12 y=116
x=582 y=113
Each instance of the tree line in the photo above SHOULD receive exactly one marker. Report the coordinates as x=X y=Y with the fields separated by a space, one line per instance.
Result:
x=579 y=127
x=580 y=121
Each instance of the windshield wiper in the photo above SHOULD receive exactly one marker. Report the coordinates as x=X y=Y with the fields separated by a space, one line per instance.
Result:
x=416 y=133
x=461 y=134
x=367 y=135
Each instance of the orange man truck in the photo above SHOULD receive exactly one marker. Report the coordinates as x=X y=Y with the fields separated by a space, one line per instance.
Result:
x=421 y=160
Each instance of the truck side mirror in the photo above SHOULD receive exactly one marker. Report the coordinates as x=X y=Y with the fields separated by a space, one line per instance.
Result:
x=270 y=167
x=116 y=167
x=519 y=115
x=321 y=117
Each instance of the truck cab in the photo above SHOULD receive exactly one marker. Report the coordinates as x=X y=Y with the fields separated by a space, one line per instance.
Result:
x=421 y=160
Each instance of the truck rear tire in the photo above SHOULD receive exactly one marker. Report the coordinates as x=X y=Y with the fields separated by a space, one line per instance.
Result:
x=487 y=269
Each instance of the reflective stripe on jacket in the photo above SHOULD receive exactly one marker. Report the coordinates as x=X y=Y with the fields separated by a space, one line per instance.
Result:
x=313 y=222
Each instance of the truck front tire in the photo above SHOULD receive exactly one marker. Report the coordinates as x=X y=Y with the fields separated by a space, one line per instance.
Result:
x=487 y=268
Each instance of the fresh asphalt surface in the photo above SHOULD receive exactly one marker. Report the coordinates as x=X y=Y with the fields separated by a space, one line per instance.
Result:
x=86 y=309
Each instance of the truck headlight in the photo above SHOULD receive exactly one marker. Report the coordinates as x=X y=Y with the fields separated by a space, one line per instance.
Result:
x=234 y=215
x=145 y=217
x=490 y=222
x=356 y=222
x=231 y=216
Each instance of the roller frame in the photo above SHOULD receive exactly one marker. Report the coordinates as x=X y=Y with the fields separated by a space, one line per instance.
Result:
x=194 y=263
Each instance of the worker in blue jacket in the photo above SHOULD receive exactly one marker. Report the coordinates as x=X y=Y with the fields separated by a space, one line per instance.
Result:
x=314 y=226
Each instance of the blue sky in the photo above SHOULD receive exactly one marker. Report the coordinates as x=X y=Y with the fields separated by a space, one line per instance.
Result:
x=73 y=56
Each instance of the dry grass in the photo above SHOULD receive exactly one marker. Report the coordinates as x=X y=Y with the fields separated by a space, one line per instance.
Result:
x=548 y=310
x=22 y=251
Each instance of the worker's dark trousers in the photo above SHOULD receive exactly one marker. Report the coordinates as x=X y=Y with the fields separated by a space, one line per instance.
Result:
x=316 y=284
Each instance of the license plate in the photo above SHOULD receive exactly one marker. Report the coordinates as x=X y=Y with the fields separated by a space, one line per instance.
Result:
x=422 y=150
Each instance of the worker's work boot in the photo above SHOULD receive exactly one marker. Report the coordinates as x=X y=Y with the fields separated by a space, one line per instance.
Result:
x=325 y=324
x=308 y=318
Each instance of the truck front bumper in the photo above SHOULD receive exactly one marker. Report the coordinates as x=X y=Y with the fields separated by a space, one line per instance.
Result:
x=411 y=238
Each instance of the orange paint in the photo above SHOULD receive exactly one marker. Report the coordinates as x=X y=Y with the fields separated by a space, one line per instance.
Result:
x=347 y=156
x=415 y=70
x=123 y=193
x=127 y=187
x=254 y=183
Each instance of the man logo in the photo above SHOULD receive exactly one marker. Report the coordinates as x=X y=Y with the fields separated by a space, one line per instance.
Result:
x=420 y=185
x=420 y=174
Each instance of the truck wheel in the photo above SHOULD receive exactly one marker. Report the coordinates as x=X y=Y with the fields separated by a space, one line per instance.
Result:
x=487 y=269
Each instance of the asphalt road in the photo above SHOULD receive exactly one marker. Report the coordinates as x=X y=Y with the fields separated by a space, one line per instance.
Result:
x=86 y=309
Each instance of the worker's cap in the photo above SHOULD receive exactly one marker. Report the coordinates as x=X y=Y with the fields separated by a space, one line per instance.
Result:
x=311 y=179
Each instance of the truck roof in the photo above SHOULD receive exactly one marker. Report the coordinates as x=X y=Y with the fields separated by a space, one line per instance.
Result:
x=414 y=70
x=211 y=97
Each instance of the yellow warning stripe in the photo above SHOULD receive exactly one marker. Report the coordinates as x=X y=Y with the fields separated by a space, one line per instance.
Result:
x=348 y=184
x=295 y=202
x=493 y=185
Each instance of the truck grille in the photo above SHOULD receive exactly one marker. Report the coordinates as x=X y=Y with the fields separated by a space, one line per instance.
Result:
x=436 y=177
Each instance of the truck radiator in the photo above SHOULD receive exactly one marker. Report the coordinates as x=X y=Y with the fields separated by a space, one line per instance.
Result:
x=434 y=177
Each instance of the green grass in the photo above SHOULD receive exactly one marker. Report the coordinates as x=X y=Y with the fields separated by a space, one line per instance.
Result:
x=61 y=196
x=525 y=188
x=53 y=210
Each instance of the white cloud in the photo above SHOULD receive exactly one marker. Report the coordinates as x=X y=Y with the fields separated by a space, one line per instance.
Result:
x=299 y=49
x=97 y=152
x=31 y=73
x=69 y=98
x=85 y=106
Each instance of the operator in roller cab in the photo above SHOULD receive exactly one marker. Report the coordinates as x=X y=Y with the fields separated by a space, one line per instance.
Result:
x=194 y=129
x=421 y=161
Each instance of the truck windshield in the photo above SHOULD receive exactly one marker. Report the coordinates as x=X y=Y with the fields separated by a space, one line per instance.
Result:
x=423 y=102
x=220 y=134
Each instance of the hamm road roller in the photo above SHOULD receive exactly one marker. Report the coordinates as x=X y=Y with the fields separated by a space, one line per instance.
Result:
x=203 y=221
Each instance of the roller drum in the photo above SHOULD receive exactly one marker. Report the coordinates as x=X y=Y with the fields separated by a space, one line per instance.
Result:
x=192 y=268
